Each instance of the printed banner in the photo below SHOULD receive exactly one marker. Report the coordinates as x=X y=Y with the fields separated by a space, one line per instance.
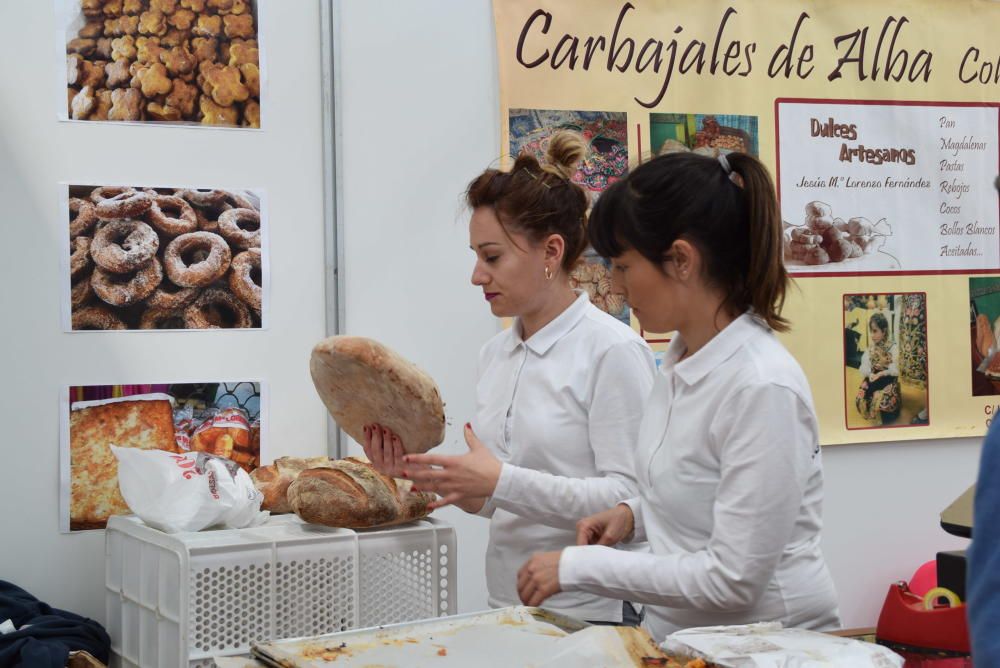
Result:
x=881 y=125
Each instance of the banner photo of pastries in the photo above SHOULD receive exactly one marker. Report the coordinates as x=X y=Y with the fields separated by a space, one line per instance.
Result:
x=220 y=418
x=707 y=134
x=191 y=62
x=143 y=258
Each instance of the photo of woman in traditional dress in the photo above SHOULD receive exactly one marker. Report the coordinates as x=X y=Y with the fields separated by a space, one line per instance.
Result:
x=885 y=360
x=878 y=397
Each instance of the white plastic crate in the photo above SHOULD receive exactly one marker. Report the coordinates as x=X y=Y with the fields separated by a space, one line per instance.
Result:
x=176 y=600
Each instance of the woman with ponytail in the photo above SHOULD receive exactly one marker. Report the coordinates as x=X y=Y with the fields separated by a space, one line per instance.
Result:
x=728 y=463
x=559 y=394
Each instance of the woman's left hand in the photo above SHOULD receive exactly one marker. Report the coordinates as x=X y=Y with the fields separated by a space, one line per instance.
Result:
x=538 y=579
x=455 y=477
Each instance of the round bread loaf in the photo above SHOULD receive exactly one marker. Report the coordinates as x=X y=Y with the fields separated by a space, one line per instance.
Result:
x=351 y=494
x=273 y=480
x=363 y=382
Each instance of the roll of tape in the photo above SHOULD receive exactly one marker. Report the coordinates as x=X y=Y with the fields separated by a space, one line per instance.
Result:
x=931 y=597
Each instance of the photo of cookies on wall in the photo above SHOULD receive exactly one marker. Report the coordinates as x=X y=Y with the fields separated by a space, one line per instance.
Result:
x=192 y=62
x=143 y=258
x=885 y=360
x=221 y=419
x=606 y=162
x=984 y=330
x=706 y=134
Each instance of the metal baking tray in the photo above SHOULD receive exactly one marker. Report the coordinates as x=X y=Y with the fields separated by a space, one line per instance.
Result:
x=499 y=638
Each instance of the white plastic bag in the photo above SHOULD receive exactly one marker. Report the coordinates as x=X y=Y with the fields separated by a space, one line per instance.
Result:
x=187 y=492
x=768 y=645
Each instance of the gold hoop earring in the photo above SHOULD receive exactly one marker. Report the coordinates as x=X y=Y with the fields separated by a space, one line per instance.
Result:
x=548 y=273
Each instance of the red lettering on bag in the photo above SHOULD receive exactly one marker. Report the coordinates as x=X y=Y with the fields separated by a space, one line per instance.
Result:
x=186 y=465
x=213 y=486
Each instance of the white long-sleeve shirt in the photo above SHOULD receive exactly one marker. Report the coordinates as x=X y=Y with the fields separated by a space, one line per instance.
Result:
x=561 y=411
x=730 y=494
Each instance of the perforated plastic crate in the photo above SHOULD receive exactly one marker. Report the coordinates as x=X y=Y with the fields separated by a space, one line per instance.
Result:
x=176 y=600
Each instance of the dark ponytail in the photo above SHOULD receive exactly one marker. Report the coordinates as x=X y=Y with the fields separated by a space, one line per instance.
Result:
x=767 y=279
x=725 y=207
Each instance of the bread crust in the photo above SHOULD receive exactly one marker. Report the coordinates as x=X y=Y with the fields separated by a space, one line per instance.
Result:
x=351 y=494
x=273 y=480
x=363 y=382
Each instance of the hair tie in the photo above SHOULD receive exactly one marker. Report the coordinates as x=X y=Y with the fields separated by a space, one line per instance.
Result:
x=725 y=164
x=727 y=168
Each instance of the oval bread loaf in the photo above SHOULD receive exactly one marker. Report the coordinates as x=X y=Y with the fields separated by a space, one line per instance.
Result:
x=363 y=382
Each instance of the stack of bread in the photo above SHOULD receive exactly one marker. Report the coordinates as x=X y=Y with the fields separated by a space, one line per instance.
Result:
x=361 y=382
x=346 y=493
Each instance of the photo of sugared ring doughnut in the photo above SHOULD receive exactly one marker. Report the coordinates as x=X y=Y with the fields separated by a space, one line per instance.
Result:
x=194 y=62
x=143 y=257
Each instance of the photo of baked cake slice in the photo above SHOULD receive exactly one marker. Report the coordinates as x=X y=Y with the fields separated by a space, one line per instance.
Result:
x=140 y=421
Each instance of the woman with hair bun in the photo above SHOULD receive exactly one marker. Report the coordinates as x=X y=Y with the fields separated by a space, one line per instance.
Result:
x=559 y=394
x=728 y=462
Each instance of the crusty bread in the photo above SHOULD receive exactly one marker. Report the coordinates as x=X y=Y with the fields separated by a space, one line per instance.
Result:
x=94 y=495
x=362 y=382
x=273 y=480
x=351 y=494
x=273 y=486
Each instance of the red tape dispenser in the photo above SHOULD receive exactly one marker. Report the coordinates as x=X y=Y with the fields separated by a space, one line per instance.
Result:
x=934 y=624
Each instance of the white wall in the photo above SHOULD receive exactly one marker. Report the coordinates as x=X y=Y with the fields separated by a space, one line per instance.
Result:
x=881 y=517
x=38 y=360
x=418 y=118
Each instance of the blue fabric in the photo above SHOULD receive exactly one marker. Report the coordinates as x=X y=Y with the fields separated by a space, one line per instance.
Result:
x=52 y=633
x=983 y=579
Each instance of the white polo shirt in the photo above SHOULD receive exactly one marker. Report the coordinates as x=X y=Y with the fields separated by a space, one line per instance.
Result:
x=730 y=495
x=561 y=411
